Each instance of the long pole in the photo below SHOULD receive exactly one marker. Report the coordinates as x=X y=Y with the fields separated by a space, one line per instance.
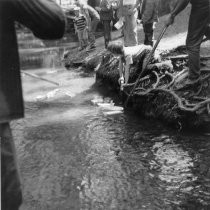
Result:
x=41 y=78
x=143 y=70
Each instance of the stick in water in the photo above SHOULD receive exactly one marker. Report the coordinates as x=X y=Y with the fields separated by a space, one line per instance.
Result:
x=41 y=78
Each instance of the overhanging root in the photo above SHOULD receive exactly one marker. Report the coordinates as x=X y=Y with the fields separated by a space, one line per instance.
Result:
x=179 y=100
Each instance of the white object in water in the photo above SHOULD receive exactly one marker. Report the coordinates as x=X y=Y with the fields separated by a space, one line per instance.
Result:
x=112 y=112
x=97 y=100
x=110 y=106
x=105 y=105
x=52 y=93
x=41 y=97
x=116 y=108
x=68 y=93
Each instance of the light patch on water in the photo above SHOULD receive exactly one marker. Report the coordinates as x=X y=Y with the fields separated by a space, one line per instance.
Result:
x=55 y=93
x=174 y=164
x=107 y=105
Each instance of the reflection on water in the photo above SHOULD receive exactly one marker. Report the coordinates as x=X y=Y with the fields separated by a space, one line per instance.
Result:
x=133 y=164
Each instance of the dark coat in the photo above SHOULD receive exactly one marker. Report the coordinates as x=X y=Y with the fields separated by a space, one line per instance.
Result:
x=106 y=12
x=46 y=21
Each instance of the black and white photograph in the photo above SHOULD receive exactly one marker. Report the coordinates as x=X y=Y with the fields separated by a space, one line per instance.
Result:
x=105 y=104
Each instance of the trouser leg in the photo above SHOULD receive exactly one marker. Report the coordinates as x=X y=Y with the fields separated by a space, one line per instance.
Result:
x=130 y=31
x=199 y=18
x=148 y=32
x=85 y=37
x=107 y=31
x=92 y=31
x=11 y=195
x=79 y=33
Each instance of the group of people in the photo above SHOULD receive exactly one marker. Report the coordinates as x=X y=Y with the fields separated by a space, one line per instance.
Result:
x=47 y=21
x=127 y=11
x=87 y=19
x=198 y=27
x=130 y=12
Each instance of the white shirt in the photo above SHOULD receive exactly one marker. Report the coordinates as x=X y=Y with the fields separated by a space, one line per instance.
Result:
x=129 y=2
x=132 y=51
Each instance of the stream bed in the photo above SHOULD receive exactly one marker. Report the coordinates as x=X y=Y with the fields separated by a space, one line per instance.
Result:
x=72 y=155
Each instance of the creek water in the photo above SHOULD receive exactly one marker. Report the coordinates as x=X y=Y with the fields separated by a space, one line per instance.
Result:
x=73 y=156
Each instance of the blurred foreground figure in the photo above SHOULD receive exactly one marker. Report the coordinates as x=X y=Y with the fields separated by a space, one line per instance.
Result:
x=46 y=20
x=199 y=20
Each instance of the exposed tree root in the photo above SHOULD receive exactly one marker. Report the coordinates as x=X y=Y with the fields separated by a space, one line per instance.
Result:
x=156 y=93
x=177 y=98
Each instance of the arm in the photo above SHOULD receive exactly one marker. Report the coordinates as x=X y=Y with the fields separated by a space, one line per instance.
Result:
x=128 y=62
x=134 y=7
x=87 y=16
x=44 y=17
x=138 y=2
x=127 y=72
x=121 y=68
x=93 y=13
x=180 y=5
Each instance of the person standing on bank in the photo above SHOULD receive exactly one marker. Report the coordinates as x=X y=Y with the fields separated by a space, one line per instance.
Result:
x=198 y=22
x=92 y=18
x=128 y=12
x=80 y=26
x=106 y=16
x=149 y=16
x=47 y=21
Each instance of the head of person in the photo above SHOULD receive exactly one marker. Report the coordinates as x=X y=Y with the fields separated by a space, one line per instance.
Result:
x=116 y=47
x=80 y=3
x=76 y=11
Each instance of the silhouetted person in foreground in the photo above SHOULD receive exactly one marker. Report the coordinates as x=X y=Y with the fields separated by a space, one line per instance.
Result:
x=46 y=21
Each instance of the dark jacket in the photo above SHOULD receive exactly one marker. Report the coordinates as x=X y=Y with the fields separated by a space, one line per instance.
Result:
x=200 y=2
x=149 y=11
x=106 y=12
x=46 y=21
